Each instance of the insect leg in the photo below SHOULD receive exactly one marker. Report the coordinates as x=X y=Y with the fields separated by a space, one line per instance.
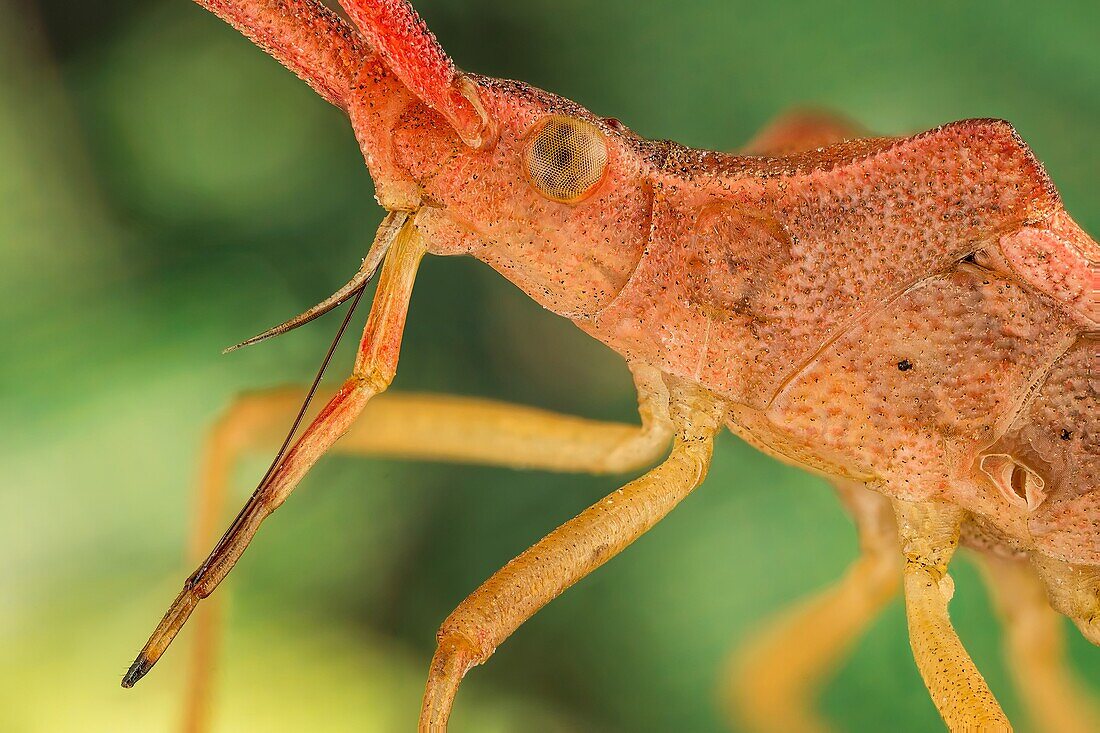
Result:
x=375 y=367
x=774 y=679
x=1035 y=649
x=468 y=430
x=414 y=426
x=516 y=592
x=929 y=534
x=437 y=427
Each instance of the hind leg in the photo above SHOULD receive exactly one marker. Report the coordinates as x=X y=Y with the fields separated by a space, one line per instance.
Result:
x=1035 y=649
x=774 y=679
x=420 y=426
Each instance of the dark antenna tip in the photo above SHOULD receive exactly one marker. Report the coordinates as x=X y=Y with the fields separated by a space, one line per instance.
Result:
x=138 y=669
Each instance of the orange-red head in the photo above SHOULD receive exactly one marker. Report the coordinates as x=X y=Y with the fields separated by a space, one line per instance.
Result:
x=543 y=190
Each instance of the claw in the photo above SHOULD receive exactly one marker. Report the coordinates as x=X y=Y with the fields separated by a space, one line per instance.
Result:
x=390 y=226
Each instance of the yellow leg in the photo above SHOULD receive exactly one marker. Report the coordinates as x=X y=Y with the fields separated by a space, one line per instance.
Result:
x=490 y=614
x=929 y=534
x=415 y=426
x=774 y=679
x=465 y=430
x=1035 y=650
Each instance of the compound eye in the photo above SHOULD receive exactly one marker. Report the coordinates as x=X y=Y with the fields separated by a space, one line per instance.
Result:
x=566 y=158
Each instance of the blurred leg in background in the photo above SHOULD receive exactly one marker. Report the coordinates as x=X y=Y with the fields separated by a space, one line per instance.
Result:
x=1035 y=649
x=774 y=679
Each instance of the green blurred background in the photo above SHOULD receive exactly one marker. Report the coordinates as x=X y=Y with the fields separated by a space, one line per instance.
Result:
x=166 y=189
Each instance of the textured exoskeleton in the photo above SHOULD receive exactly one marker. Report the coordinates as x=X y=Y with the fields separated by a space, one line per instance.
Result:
x=915 y=316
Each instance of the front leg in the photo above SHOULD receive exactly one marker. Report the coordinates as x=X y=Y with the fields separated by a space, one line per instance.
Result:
x=929 y=534
x=490 y=614
x=375 y=367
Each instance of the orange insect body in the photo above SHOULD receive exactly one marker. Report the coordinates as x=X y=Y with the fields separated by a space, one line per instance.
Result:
x=915 y=315
x=794 y=286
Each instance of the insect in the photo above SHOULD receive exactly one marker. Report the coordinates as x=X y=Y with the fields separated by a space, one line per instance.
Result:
x=914 y=318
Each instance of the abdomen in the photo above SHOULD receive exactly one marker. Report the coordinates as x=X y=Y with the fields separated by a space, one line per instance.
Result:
x=959 y=389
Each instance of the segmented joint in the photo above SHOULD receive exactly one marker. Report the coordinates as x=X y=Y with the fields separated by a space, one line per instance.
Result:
x=373 y=380
x=696 y=413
